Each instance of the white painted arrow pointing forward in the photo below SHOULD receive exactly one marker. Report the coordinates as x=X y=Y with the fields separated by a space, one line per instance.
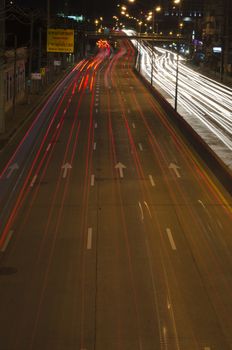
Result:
x=120 y=167
x=66 y=167
x=12 y=168
x=175 y=168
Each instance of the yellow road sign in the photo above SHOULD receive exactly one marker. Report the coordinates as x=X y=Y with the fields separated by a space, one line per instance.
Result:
x=42 y=71
x=60 y=40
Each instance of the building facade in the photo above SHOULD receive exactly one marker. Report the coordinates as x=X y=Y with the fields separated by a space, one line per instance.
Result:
x=217 y=35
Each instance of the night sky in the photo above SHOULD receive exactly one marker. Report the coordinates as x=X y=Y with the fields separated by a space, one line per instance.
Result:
x=90 y=8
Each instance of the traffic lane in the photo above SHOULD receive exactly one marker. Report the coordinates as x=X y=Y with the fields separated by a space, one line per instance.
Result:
x=197 y=320
x=130 y=194
x=21 y=290
x=35 y=155
x=210 y=230
x=120 y=215
x=46 y=247
x=176 y=148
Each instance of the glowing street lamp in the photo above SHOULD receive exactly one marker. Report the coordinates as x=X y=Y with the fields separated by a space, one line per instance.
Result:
x=156 y=9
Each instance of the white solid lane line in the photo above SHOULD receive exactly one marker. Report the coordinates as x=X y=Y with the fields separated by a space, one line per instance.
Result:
x=5 y=245
x=151 y=180
x=94 y=146
x=170 y=237
x=89 y=238
x=140 y=147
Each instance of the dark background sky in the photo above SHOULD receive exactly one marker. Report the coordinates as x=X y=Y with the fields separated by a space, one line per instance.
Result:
x=90 y=8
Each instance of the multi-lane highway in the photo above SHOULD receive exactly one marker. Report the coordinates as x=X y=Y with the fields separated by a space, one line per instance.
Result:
x=114 y=234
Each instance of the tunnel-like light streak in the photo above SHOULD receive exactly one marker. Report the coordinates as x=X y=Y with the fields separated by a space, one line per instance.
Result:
x=207 y=100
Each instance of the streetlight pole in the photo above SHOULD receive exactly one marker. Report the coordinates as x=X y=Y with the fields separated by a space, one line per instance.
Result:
x=15 y=68
x=2 y=50
x=155 y=10
x=177 y=76
x=177 y=56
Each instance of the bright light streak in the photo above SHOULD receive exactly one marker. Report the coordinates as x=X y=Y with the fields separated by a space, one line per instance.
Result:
x=205 y=99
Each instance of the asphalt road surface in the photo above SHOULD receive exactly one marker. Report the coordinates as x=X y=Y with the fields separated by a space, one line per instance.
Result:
x=114 y=234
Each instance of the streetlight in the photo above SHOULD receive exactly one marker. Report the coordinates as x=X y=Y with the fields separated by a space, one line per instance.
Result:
x=156 y=9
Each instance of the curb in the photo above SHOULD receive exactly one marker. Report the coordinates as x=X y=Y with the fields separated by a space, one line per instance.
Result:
x=215 y=164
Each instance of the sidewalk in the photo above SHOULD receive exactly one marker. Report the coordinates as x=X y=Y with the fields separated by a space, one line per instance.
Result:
x=24 y=111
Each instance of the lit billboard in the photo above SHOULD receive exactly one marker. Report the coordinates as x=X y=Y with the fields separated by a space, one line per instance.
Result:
x=60 y=40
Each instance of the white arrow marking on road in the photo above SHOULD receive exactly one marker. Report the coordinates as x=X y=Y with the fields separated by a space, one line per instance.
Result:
x=175 y=169
x=171 y=240
x=95 y=125
x=141 y=210
x=92 y=180
x=151 y=180
x=66 y=167
x=89 y=238
x=133 y=125
x=33 y=180
x=120 y=166
x=96 y=110
x=7 y=240
x=201 y=203
x=48 y=148
x=140 y=147
x=148 y=209
x=12 y=168
x=94 y=146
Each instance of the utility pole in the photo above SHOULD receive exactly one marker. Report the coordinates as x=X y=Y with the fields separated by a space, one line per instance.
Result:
x=2 y=50
x=178 y=53
x=30 y=54
x=40 y=49
x=48 y=26
x=15 y=75
x=152 y=62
